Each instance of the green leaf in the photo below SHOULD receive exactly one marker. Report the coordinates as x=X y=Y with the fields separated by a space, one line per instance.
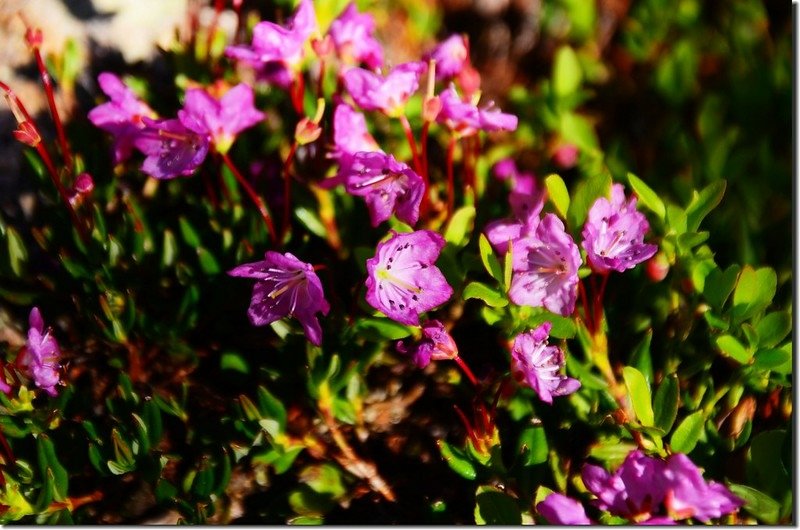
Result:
x=49 y=464
x=490 y=261
x=639 y=393
x=665 y=403
x=773 y=328
x=17 y=253
x=459 y=229
x=584 y=195
x=310 y=220
x=272 y=407
x=765 y=468
x=234 y=361
x=641 y=358
x=508 y=266
x=208 y=263
x=719 y=285
x=703 y=203
x=558 y=194
x=380 y=329
x=188 y=232
x=754 y=291
x=687 y=433
x=457 y=460
x=532 y=446
x=647 y=196
x=731 y=347
x=760 y=505
x=771 y=358
x=483 y=292
x=567 y=72
x=494 y=507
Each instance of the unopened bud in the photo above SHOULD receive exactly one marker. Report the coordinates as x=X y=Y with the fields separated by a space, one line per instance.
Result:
x=657 y=267
x=33 y=36
x=431 y=108
x=27 y=134
x=323 y=46
x=84 y=183
x=306 y=132
x=469 y=80
x=566 y=156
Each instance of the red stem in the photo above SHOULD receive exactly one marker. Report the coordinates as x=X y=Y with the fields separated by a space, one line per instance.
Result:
x=598 y=301
x=262 y=209
x=467 y=426
x=287 y=190
x=297 y=90
x=61 y=191
x=321 y=80
x=426 y=198
x=460 y=362
x=411 y=143
x=585 y=302
x=51 y=101
x=451 y=148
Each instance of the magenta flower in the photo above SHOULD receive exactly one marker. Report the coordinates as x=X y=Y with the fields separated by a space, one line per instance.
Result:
x=171 y=149
x=560 y=509
x=526 y=200
x=220 y=119
x=465 y=118
x=122 y=116
x=286 y=287
x=42 y=354
x=643 y=488
x=387 y=94
x=537 y=364
x=546 y=268
x=688 y=495
x=402 y=279
x=451 y=55
x=352 y=34
x=350 y=133
x=277 y=51
x=436 y=344
x=387 y=185
x=613 y=235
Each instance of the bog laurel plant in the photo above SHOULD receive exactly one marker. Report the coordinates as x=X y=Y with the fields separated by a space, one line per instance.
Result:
x=316 y=284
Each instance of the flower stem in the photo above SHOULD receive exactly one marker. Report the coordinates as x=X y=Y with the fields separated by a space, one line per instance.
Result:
x=424 y=141
x=598 y=302
x=296 y=91
x=411 y=143
x=451 y=148
x=287 y=190
x=66 y=153
x=262 y=209
x=461 y=364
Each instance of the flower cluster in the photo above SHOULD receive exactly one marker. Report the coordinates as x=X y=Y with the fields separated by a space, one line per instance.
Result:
x=646 y=490
x=537 y=364
x=42 y=354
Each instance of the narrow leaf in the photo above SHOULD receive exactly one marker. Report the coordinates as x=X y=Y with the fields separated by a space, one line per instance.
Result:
x=647 y=197
x=639 y=392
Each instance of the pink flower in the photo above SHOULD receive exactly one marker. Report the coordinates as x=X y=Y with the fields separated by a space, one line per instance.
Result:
x=220 y=119
x=537 y=364
x=122 y=116
x=42 y=354
x=546 y=267
x=526 y=200
x=402 y=279
x=451 y=55
x=613 y=235
x=276 y=52
x=387 y=94
x=285 y=287
x=465 y=118
x=387 y=185
x=436 y=344
x=560 y=509
x=350 y=133
x=171 y=149
x=352 y=34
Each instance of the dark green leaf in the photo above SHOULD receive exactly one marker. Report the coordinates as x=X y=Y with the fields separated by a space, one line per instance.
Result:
x=754 y=291
x=731 y=347
x=762 y=506
x=665 y=404
x=490 y=261
x=641 y=359
x=379 y=329
x=532 y=446
x=719 y=285
x=496 y=508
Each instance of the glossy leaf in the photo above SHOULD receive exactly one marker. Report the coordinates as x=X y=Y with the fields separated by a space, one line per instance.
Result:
x=639 y=393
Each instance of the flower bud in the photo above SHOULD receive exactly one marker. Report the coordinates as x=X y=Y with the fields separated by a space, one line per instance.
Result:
x=566 y=156
x=431 y=108
x=27 y=134
x=33 y=36
x=657 y=267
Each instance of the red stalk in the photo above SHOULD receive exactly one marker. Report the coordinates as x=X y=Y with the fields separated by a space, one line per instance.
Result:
x=287 y=189
x=411 y=143
x=262 y=209
x=426 y=197
x=461 y=364
x=451 y=148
